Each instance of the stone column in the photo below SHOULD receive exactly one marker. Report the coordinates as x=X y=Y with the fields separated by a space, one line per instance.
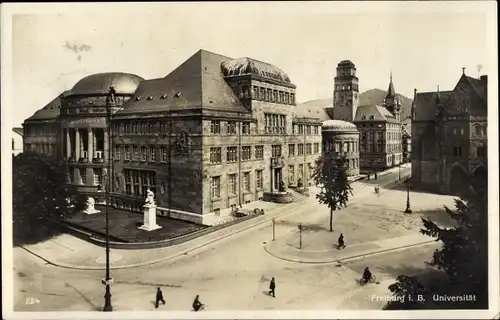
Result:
x=94 y=142
x=68 y=144
x=77 y=144
x=90 y=139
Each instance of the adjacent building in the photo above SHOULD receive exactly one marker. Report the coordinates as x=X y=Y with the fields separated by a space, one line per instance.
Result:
x=341 y=139
x=380 y=142
x=449 y=135
x=214 y=133
x=17 y=141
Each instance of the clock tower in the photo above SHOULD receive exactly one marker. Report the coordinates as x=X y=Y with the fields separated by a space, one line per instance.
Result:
x=346 y=92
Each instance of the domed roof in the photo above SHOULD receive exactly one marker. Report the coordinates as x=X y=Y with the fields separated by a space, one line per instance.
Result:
x=344 y=63
x=248 y=66
x=338 y=125
x=99 y=83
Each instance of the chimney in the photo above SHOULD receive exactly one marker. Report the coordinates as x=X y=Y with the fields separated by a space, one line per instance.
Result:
x=484 y=78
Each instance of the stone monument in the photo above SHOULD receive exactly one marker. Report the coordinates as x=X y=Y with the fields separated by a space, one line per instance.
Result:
x=91 y=206
x=150 y=213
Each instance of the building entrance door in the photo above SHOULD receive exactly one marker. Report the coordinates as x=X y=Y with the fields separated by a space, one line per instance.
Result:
x=278 y=177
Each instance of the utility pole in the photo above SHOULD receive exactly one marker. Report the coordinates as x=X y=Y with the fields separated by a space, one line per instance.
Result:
x=274 y=223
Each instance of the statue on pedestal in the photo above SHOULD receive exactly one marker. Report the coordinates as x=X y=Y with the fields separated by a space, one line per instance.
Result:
x=150 y=198
x=299 y=183
x=90 y=206
x=282 y=186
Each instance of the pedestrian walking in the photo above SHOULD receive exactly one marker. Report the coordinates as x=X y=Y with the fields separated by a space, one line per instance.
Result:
x=341 y=244
x=375 y=176
x=159 y=297
x=368 y=175
x=272 y=287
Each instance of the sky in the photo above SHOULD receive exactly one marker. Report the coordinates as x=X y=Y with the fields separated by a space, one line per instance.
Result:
x=424 y=44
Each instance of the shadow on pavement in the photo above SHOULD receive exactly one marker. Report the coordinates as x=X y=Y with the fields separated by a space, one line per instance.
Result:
x=94 y=307
x=440 y=217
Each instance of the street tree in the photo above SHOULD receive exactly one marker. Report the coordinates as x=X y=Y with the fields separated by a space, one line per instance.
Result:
x=41 y=198
x=463 y=257
x=330 y=174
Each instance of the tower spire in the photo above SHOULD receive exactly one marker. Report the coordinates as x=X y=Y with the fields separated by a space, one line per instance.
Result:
x=391 y=93
x=438 y=96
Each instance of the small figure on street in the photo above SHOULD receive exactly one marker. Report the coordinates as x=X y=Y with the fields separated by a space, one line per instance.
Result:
x=341 y=244
x=377 y=190
x=435 y=256
x=272 y=287
x=197 y=305
x=375 y=175
x=367 y=274
x=368 y=176
x=159 y=297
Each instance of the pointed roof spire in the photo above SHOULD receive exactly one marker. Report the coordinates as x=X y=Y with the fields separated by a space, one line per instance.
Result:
x=438 y=97
x=391 y=93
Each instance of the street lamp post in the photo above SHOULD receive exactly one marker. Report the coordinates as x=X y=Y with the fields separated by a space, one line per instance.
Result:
x=408 y=208
x=107 y=281
x=274 y=223
x=300 y=236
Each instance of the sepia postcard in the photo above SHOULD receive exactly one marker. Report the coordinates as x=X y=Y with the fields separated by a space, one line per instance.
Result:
x=250 y=160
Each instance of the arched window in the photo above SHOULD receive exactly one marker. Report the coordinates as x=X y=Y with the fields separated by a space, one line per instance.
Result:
x=485 y=130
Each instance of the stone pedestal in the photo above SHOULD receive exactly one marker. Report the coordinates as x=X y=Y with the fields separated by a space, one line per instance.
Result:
x=149 y=218
x=91 y=211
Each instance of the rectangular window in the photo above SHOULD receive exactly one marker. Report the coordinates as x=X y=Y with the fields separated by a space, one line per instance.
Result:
x=308 y=148
x=136 y=153
x=316 y=148
x=163 y=151
x=301 y=129
x=143 y=154
x=276 y=150
x=152 y=154
x=481 y=151
x=215 y=187
x=457 y=151
x=258 y=179
x=255 y=92
x=300 y=149
x=231 y=184
x=316 y=130
x=309 y=130
x=275 y=123
x=246 y=181
x=215 y=155
x=232 y=154
x=259 y=152
x=231 y=127
x=127 y=153
x=245 y=128
x=291 y=150
x=215 y=127
x=301 y=172
x=245 y=153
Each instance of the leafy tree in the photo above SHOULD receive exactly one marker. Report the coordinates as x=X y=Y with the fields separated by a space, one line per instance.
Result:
x=464 y=253
x=330 y=174
x=407 y=290
x=40 y=197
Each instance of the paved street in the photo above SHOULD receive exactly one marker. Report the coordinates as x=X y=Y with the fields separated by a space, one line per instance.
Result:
x=231 y=274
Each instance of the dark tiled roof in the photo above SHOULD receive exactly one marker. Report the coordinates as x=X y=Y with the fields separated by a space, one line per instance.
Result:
x=481 y=87
x=99 y=83
x=378 y=113
x=425 y=104
x=249 y=66
x=50 y=111
x=197 y=83
x=18 y=130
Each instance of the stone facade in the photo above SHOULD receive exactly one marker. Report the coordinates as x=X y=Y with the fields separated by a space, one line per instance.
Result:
x=449 y=136
x=341 y=138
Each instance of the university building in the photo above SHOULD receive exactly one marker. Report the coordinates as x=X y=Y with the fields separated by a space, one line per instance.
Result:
x=449 y=135
x=380 y=142
x=214 y=133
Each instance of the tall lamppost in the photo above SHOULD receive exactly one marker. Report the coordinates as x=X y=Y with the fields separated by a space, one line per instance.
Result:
x=408 y=208
x=110 y=102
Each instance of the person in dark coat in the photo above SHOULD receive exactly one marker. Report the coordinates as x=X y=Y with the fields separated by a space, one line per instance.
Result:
x=341 y=244
x=272 y=287
x=159 y=297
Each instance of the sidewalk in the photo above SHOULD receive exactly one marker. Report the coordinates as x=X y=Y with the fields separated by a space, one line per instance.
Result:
x=281 y=250
x=71 y=252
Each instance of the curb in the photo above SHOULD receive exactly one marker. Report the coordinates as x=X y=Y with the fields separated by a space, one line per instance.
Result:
x=351 y=257
x=181 y=253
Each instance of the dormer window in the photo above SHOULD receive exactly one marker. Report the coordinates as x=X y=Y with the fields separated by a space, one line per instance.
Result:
x=372 y=117
x=138 y=98
x=363 y=117
x=150 y=98
x=164 y=96
x=178 y=94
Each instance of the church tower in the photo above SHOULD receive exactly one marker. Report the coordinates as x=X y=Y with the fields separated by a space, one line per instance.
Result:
x=346 y=92
x=391 y=101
